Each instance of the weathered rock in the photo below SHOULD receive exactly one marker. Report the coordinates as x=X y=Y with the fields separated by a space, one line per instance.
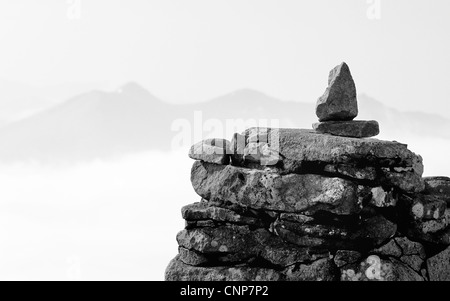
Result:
x=271 y=191
x=354 y=128
x=426 y=207
x=232 y=239
x=413 y=261
x=391 y=248
x=296 y=218
x=432 y=231
x=315 y=230
x=200 y=224
x=261 y=153
x=376 y=269
x=204 y=211
x=345 y=257
x=320 y=270
x=375 y=230
x=438 y=187
x=245 y=243
x=179 y=271
x=339 y=100
x=191 y=257
x=211 y=150
x=407 y=181
x=439 y=266
x=381 y=198
x=409 y=247
x=305 y=151
x=358 y=173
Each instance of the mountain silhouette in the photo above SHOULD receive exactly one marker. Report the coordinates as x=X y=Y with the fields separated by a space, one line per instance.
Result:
x=106 y=124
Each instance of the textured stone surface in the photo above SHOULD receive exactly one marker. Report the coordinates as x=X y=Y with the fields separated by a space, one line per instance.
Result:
x=241 y=240
x=271 y=191
x=359 y=173
x=320 y=270
x=191 y=257
x=373 y=268
x=375 y=230
x=306 y=151
x=409 y=247
x=345 y=257
x=339 y=100
x=211 y=150
x=391 y=248
x=438 y=187
x=426 y=207
x=204 y=211
x=179 y=271
x=354 y=128
x=381 y=198
x=439 y=266
x=261 y=153
x=413 y=261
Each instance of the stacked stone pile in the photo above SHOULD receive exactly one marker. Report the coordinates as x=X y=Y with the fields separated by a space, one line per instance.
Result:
x=324 y=204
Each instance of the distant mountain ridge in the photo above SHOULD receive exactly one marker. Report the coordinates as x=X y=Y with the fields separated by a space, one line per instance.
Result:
x=103 y=124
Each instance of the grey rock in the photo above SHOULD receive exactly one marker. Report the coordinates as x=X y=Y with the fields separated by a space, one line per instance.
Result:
x=359 y=173
x=432 y=231
x=375 y=230
x=439 y=266
x=438 y=187
x=296 y=218
x=243 y=243
x=339 y=100
x=200 y=224
x=211 y=150
x=191 y=257
x=354 y=128
x=303 y=151
x=320 y=270
x=315 y=230
x=413 y=261
x=345 y=257
x=427 y=207
x=406 y=181
x=232 y=239
x=205 y=211
x=179 y=271
x=261 y=153
x=410 y=247
x=391 y=248
x=381 y=198
x=373 y=268
x=271 y=191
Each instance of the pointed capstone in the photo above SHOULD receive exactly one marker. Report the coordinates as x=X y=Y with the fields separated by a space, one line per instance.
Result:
x=339 y=100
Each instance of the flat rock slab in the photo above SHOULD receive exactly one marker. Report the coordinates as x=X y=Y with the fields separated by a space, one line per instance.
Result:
x=439 y=266
x=439 y=187
x=306 y=151
x=268 y=190
x=339 y=100
x=355 y=128
x=211 y=150
x=242 y=244
x=204 y=211
x=179 y=271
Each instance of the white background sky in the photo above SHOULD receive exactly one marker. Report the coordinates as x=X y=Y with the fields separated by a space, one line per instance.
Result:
x=198 y=49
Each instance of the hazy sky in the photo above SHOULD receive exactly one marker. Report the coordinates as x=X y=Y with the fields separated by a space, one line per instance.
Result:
x=191 y=50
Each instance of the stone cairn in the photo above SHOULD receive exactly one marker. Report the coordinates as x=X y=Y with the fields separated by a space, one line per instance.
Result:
x=322 y=204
